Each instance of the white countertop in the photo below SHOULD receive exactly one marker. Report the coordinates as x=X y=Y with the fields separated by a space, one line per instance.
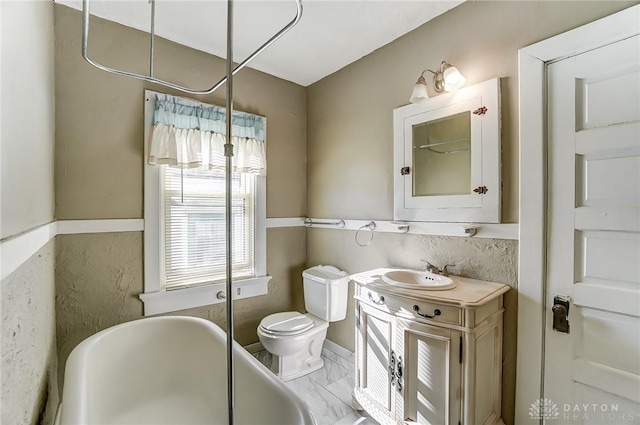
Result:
x=467 y=293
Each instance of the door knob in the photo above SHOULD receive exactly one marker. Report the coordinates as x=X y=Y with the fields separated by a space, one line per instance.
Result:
x=559 y=310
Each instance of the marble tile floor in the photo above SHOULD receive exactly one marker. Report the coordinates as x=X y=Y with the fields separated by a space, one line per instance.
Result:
x=327 y=391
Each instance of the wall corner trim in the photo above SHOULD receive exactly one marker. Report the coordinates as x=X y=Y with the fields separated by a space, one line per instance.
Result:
x=15 y=250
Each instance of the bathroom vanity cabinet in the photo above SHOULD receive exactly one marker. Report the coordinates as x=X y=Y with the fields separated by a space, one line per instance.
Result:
x=429 y=357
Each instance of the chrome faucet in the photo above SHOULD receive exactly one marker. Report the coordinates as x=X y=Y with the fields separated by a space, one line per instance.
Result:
x=435 y=270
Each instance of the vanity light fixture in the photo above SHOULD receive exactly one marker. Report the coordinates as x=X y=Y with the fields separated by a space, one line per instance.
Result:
x=419 y=93
x=447 y=78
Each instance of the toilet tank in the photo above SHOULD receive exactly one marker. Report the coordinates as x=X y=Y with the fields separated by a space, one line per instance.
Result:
x=325 y=292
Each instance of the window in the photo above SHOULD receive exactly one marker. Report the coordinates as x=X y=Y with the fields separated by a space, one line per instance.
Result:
x=184 y=238
x=193 y=226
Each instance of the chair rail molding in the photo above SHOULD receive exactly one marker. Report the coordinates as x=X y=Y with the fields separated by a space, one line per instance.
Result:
x=15 y=250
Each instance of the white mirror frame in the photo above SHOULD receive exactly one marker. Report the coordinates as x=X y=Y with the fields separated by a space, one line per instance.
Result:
x=487 y=207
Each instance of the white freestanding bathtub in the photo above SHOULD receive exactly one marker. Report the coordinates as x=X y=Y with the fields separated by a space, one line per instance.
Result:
x=170 y=370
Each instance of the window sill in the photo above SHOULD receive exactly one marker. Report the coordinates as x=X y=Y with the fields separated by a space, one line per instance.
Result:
x=180 y=299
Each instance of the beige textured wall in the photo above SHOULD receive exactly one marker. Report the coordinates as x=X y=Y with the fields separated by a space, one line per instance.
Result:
x=99 y=119
x=99 y=277
x=29 y=361
x=29 y=391
x=26 y=133
x=350 y=123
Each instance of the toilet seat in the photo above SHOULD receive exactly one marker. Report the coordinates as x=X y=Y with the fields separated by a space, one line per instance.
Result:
x=287 y=323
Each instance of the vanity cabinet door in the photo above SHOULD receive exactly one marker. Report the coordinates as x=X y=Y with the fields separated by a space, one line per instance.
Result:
x=431 y=374
x=374 y=337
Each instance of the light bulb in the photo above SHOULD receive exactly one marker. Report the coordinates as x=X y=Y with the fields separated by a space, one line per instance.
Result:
x=419 y=93
x=453 y=79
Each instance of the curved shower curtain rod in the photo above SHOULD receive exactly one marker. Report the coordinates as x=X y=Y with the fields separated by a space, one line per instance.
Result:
x=150 y=78
x=228 y=147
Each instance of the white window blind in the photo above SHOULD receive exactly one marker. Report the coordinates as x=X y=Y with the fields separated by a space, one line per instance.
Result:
x=194 y=226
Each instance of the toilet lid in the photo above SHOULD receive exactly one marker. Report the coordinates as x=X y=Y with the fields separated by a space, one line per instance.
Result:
x=288 y=322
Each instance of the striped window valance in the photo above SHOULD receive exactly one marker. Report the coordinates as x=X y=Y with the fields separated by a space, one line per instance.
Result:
x=190 y=134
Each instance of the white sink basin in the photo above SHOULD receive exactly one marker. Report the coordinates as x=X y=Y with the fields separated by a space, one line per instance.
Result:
x=414 y=279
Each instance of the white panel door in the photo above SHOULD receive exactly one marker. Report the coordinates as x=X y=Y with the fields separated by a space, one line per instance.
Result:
x=592 y=374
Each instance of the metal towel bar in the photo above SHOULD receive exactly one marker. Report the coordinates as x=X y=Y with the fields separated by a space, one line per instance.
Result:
x=309 y=222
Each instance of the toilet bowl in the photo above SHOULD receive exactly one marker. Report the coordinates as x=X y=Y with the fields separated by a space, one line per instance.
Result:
x=295 y=339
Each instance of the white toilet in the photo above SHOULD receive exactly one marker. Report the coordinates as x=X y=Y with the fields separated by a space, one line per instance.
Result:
x=295 y=339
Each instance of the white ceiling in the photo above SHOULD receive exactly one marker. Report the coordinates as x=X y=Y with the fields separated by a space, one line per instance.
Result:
x=331 y=34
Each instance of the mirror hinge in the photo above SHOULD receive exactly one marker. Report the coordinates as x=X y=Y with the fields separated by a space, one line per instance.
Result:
x=405 y=170
x=460 y=352
x=480 y=111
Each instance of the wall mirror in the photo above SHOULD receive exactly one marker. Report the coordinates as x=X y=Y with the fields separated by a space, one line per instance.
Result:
x=441 y=157
x=447 y=157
